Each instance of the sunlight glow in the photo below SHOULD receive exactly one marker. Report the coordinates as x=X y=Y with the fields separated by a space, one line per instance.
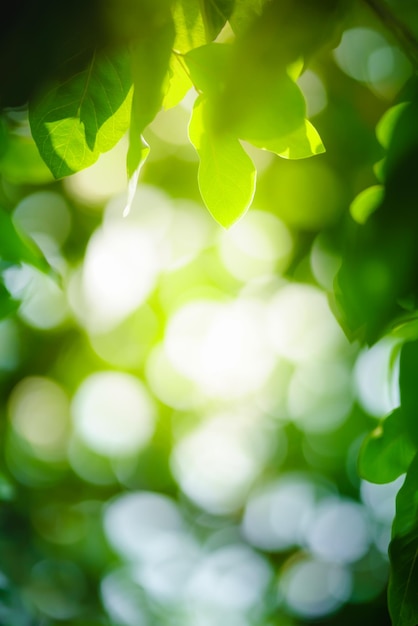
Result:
x=376 y=379
x=301 y=325
x=339 y=532
x=113 y=413
x=320 y=395
x=39 y=412
x=312 y=588
x=222 y=347
x=217 y=462
x=119 y=272
x=256 y=246
x=141 y=525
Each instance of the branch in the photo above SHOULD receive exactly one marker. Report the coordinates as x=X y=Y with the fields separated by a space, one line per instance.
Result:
x=399 y=30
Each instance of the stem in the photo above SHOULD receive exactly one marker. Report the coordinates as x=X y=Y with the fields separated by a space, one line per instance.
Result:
x=399 y=30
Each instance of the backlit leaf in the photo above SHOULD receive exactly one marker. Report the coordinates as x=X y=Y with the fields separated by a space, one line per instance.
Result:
x=302 y=143
x=150 y=60
x=189 y=25
x=74 y=122
x=215 y=15
x=226 y=173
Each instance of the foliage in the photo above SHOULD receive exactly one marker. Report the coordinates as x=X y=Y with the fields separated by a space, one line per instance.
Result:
x=112 y=70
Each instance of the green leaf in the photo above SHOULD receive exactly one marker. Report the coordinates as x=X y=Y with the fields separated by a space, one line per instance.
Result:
x=15 y=248
x=366 y=203
x=215 y=15
x=8 y=306
x=387 y=451
x=150 y=60
x=408 y=369
x=74 y=122
x=387 y=123
x=403 y=553
x=302 y=143
x=189 y=26
x=179 y=82
x=137 y=155
x=245 y=11
x=21 y=163
x=275 y=110
x=226 y=173
x=208 y=66
x=7 y=490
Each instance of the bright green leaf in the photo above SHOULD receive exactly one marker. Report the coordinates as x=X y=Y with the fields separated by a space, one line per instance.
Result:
x=387 y=451
x=387 y=124
x=274 y=111
x=403 y=553
x=74 y=122
x=179 y=82
x=302 y=143
x=150 y=61
x=226 y=173
x=366 y=203
x=208 y=65
x=189 y=25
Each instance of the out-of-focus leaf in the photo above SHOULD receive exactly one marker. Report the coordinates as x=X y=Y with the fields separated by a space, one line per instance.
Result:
x=207 y=67
x=380 y=262
x=366 y=203
x=387 y=451
x=245 y=11
x=21 y=163
x=7 y=491
x=74 y=122
x=189 y=25
x=226 y=173
x=215 y=15
x=15 y=248
x=7 y=306
x=387 y=123
x=403 y=553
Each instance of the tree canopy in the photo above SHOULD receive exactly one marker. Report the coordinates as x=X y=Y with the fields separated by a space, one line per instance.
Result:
x=208 y=312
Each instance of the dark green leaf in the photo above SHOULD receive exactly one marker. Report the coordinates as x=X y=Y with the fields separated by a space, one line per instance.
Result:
x=226 y=173
x=408 y=387
x=403 y=553
x=387 y=451
x=74 y=122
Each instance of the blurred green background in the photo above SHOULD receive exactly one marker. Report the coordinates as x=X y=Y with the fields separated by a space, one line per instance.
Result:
x=182 y=412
